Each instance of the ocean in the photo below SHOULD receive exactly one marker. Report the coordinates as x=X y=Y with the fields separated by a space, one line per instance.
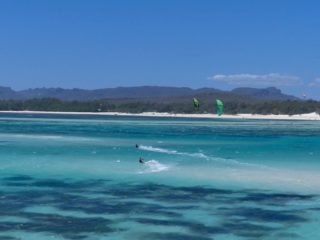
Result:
x=79 y=177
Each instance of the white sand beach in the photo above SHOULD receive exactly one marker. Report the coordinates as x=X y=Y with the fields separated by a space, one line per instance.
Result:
x=306 y=116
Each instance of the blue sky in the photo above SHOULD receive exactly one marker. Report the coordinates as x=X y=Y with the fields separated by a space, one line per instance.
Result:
x=222 y=44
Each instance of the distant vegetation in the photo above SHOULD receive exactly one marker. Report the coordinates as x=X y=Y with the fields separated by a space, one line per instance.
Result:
x=154 y=99
x=183 y=105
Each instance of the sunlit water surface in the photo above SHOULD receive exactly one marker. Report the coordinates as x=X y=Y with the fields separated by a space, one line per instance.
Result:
x=78 y=177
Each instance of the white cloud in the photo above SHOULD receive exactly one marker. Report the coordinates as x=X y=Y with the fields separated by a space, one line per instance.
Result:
x=315 y=83
x=271 y=79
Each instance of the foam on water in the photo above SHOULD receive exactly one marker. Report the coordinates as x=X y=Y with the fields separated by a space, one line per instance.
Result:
x=250 y=175
x=201 y=155
x=153 y=166
x=48 y=137
x=174 y=152
x=157 y=149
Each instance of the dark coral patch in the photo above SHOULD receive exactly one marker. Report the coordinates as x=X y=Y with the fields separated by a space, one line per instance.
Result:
x=275 y=198
x=147 y=204
x=265 y=215
x=18 y=178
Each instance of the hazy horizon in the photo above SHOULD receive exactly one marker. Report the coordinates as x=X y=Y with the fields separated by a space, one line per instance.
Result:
x=137 y=86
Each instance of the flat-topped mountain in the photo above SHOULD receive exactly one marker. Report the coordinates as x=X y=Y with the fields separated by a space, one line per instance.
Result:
x=7 y=93
x=270 y=93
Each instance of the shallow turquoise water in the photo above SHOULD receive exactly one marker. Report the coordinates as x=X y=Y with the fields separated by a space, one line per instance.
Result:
x=78 y=177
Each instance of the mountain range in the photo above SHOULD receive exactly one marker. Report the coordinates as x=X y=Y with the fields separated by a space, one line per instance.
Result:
x=144 y=92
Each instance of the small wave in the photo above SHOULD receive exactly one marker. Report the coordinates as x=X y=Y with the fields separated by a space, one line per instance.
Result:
x=154 y=166
x=163 y=150
x=160 y=150
x=49 y=137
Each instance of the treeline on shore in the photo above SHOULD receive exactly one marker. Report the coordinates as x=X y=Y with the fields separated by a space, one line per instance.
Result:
x=138 y=105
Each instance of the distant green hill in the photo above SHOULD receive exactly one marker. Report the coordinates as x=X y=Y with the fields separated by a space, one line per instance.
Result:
x=155 y=99
x=141 y=93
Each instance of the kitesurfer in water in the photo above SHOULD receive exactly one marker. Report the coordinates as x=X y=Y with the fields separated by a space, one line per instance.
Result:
x=141 y=160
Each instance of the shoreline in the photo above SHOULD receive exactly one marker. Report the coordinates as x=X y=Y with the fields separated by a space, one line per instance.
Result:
x=307 y=116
